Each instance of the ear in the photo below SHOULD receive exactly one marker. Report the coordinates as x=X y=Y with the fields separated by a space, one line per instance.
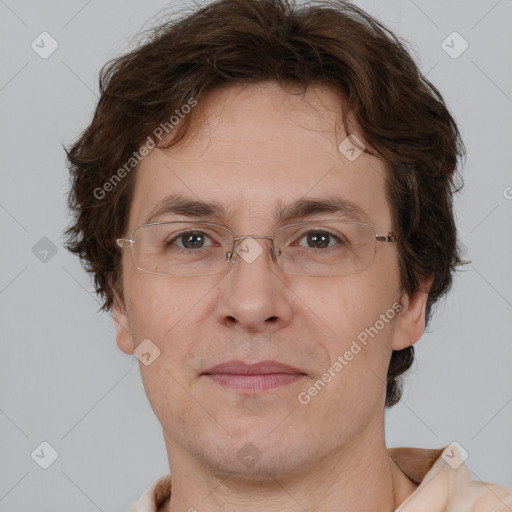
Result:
x=122 y=325
x=410 y=323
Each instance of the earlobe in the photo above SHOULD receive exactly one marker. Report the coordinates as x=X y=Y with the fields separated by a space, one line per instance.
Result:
x=411 y=319
x=120 y=318
x=122 y=326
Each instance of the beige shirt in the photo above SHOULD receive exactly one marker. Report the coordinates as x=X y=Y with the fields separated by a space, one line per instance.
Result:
x=445 y=485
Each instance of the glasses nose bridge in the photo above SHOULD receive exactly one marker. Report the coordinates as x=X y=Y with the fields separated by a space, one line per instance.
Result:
x=233 y=255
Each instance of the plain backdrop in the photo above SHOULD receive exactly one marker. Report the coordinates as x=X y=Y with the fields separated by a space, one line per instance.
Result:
x=63 y=380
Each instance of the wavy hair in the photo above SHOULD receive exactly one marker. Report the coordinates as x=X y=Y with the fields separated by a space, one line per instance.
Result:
x=400 y=114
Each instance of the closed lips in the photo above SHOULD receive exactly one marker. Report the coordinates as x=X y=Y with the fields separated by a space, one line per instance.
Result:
x=261 y=368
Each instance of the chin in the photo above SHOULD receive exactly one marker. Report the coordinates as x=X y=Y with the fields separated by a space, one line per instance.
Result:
x=258 y=455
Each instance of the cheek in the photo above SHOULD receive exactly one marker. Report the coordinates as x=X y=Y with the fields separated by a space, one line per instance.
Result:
x=360 y=348
x=158 y=303
x=349 y=304
x=168 y=395
x=351 y=307
x=165 y=311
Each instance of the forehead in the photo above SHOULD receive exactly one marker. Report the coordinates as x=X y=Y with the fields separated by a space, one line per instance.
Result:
x=254 y=149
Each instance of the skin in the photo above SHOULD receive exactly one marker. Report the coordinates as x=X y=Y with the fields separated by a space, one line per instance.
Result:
x=251 y=148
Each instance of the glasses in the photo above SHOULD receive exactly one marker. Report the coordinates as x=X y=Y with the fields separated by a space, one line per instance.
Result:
x=188 y=248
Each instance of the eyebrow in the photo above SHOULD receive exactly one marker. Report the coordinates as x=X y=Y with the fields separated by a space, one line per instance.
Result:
x=301 y=208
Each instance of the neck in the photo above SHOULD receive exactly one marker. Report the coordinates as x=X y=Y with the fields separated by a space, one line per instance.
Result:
x=358 y=477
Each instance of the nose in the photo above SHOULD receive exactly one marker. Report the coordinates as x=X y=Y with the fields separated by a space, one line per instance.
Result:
x=255 y=296
x=250 y=249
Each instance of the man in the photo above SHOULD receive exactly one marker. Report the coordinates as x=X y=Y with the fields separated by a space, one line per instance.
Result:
x=264 y=199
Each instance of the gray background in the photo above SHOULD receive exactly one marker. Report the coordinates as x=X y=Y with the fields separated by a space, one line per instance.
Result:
x=62 y=378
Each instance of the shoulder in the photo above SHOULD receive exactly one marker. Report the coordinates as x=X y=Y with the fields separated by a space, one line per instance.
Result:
x=446 y=483
x=154 y=497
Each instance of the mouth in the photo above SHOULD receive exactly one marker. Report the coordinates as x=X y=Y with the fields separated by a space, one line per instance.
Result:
x=253 y=378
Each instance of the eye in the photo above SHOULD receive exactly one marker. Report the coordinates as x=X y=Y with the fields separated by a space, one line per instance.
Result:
x=191 y=239
x=321 y=239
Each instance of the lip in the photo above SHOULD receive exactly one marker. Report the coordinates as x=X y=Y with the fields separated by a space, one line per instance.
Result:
x=253 y=377
x=237 y=367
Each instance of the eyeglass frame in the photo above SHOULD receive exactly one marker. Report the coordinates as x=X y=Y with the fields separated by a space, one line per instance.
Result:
x=125 y=242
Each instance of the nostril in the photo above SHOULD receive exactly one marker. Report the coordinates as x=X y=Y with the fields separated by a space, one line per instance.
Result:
x=231 y=320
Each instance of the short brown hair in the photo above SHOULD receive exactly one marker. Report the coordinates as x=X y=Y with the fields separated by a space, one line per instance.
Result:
x=400 y=114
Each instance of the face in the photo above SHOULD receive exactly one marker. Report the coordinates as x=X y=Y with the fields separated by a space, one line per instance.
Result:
x=253 y=150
